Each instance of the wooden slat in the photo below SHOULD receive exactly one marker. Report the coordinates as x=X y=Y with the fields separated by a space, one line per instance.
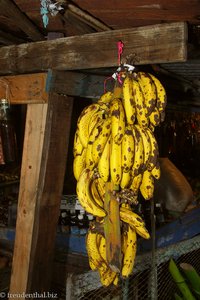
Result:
x=24 y=89
x=42 y=175
x=149 y=44
x=22 y=21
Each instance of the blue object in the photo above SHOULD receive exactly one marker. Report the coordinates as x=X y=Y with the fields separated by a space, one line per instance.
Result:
x=44 y=12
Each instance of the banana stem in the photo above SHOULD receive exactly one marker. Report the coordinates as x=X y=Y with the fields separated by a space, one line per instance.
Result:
x=112 y=228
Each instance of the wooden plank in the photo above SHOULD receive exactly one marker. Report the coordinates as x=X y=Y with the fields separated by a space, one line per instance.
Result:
x=79 y=84
x=42 y=175
x=143 y=45
x=24 y=89
x=9 y=8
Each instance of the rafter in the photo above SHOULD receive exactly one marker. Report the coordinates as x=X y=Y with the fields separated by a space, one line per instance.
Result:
x=9 y=8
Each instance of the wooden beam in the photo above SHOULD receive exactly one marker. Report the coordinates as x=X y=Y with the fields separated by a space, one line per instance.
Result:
x=78 y=84
x=9 y=8
x=143 y=45
x=88 y=18
x=24 y=89
x=41 y=183
x=9 y=39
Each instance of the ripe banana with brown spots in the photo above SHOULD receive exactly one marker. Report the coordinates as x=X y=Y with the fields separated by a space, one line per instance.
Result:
x=147 y=185
x=115 y=162
x=117 y=120
x=148 y=88
x=128 y=101
x=100 y=142
x=141 y=114
x=130 y=252
x=83 y=190
x=84 y=121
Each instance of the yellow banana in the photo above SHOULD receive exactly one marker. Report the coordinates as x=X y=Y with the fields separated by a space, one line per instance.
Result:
x=138 y=226
x=95 y=119
x=138 y=164
x=107 y=277
x=95 y=259
x=146 y=144
x=100 y=184
x=161 y=93
x=104 y=162
x=147 y=185
x=154 y=153
x=83 y=190
x=155 y=117
x=138 y=97
x=131 y=218
x=155 y=172
x=95 y=193
x=116 y=280
x=117 y=120
x=135 y=184
x=143 y=232
x=84 y=120
x=100 y=142
x=128 y=149
x=149 y=91
x=130 y=253
x=79 y=164
x=126 y=179
x=115 y=163
x=128 y=102
x=90 y=163
x=106 y=97
x=78 y=147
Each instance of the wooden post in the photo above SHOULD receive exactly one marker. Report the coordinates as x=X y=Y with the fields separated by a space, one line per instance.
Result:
x=42 y=175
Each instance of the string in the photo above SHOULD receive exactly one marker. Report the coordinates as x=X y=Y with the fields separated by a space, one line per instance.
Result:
x=116 y=75
x=120 y=46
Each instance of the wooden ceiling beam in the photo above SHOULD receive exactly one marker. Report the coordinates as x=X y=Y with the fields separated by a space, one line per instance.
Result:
x=9 y=8
x=9 y=39
x=143 y=45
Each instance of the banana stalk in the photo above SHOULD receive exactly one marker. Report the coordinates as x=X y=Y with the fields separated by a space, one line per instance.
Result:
x=112 y=228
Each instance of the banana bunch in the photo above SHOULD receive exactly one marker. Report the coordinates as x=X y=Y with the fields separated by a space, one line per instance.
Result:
x=114 y=142
x=132 y=225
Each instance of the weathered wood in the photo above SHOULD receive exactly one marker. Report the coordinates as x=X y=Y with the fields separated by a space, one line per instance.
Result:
x=9 y=39
x=24 y=89
x=143 y=45
x=42 y=175
x=140 y=13
x=88 y=19
x=79 y=84
x=9 y=8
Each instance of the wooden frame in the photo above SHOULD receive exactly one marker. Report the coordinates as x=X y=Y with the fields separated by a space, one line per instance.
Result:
x=48 y=127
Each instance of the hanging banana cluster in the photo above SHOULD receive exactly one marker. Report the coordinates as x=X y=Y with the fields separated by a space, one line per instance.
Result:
x=115 y=142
